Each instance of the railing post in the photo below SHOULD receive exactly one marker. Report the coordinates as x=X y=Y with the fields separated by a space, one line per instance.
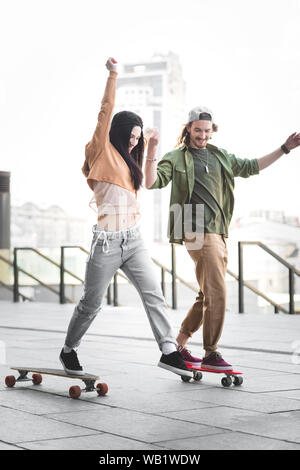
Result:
x=116 y=301
x=174 y=286
x=16 y=277
x=241 y=277
x=62 y=299
x=163 y=287
x=109 y=295
x=292 y=290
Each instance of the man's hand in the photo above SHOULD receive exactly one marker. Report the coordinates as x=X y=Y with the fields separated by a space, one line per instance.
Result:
x=111 y=64
x=293 y=141
x=152 y=135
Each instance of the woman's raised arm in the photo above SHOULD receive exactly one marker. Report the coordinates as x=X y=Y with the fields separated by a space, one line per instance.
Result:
x=101 y=134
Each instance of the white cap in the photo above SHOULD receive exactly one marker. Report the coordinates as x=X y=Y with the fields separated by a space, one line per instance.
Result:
x=195 y=114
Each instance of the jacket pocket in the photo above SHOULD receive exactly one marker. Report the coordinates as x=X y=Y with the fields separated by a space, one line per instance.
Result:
x=180 y=170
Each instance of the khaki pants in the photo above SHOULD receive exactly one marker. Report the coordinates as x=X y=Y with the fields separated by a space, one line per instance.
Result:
x=210 y=305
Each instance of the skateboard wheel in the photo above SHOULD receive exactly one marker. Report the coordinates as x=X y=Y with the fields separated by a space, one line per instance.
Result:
x=238 y=381
x=226 y=381
x=37 y=379
x=10 y=380
x=198 y=376
x=75 y=391
x=102 y=389
x=185 y=378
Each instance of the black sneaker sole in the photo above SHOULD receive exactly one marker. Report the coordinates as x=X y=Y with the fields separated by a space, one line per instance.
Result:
x=175 y=370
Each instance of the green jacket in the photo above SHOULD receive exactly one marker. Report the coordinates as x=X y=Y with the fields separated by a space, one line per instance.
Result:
x=178 y=166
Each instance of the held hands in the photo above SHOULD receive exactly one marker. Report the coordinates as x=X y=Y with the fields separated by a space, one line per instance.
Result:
x=293 y=141
x=111 y=64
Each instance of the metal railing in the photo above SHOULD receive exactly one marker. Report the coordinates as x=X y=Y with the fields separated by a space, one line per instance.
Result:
x=111 y=298
x=241 y=282
x=113 y=291
x=17 y=269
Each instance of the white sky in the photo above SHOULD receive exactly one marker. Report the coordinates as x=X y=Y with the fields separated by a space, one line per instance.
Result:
x=240 y=58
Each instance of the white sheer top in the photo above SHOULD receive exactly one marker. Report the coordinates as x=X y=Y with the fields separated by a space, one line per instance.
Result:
x=117 y=207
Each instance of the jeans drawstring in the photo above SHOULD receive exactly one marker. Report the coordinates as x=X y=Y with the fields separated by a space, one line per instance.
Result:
x=105 y=246
x=110 y=235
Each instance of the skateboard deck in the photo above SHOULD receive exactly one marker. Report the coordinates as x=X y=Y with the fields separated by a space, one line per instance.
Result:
x=74 y=391
x=231 y=376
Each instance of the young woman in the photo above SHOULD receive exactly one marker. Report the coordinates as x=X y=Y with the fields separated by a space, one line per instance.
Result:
x=113 y=168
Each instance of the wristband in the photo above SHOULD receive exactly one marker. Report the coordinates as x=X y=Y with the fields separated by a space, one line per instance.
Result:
x=284 y=148
x=151 y=159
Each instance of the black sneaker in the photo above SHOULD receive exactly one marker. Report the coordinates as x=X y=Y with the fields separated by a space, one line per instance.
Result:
x=70 y=363
x=174 y=363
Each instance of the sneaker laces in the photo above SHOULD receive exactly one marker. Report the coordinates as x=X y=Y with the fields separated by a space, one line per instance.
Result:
x=185 y=351
x=75 y=358
x=215 y=354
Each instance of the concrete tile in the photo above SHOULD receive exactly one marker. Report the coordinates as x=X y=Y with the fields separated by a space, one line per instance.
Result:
x=4 y=446
x=229 y=441
x=20 y=426
x=154 y=403
x=236 y=398
x=271 y=383
x=92 y=442
x=153 y=380
x=35 y=402
x=134 y=425
x=282 y=426
x=220 y=417
x=293 y=394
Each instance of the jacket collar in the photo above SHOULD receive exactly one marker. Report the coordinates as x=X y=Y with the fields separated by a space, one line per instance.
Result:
x=216 y=151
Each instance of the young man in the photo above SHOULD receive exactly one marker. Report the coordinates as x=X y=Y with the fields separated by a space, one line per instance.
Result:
x=201 y=207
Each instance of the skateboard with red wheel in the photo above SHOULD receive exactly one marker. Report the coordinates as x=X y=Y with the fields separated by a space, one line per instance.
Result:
x=230 y=376
x=74 y=391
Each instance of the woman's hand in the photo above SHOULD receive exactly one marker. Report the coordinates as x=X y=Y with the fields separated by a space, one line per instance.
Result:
x=111 y=64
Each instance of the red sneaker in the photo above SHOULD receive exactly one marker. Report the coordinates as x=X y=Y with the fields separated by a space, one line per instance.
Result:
x=215 y=361
x=188 y=358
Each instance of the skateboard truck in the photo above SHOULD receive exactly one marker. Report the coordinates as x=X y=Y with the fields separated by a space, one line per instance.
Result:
x=23 y=376
x=89 y=385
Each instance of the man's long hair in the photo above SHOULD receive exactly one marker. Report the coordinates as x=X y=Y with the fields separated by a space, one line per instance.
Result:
x=119 y=134
x=184 y=138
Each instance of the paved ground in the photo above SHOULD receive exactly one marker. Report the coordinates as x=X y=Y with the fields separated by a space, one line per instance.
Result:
x=147 y=407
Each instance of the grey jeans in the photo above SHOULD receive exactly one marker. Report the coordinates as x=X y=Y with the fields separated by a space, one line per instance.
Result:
x=109 y=252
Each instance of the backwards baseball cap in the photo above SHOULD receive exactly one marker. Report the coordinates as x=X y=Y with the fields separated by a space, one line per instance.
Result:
x=200 y=113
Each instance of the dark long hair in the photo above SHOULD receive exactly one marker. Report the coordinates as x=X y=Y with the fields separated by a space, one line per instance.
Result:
x=119 y=134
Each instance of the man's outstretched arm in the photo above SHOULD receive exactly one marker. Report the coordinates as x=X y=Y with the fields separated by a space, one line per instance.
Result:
x=292 y=142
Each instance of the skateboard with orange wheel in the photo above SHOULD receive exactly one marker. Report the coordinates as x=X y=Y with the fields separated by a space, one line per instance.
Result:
x=74 y=391
x=230 y=376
